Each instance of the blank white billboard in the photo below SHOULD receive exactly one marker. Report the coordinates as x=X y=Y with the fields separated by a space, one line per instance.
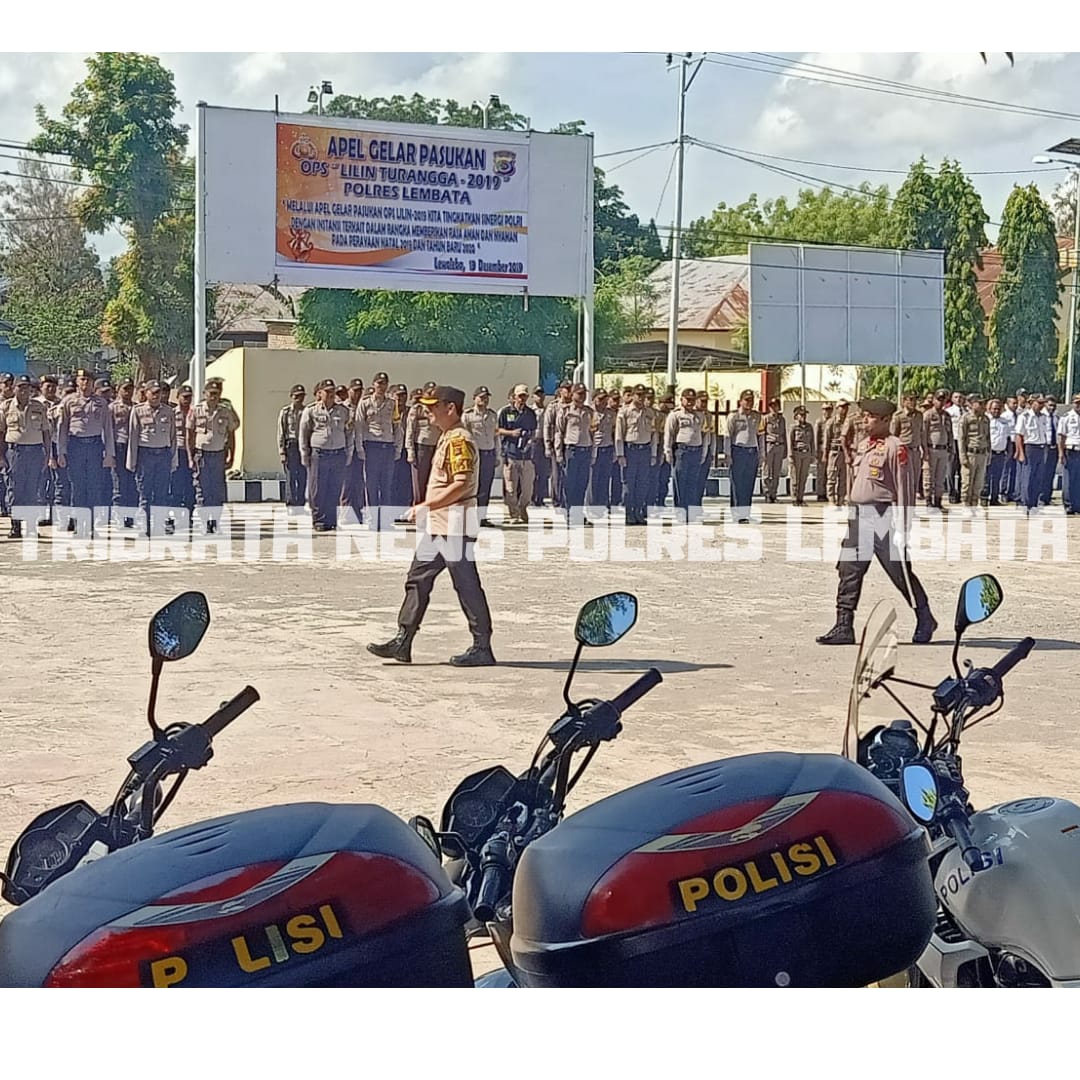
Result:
x=813 y=304
x=361 y=204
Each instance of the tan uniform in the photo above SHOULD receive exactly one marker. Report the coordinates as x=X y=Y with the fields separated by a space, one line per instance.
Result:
x=801 y=448
x=456 y=458
x=150 y=428
x=908 y=427
x=821 y=449
x=573 y=427
x=25 y=425
x=775 y=448
x=481 y=424
x=974 y=452
x=85 y=418
x=374 y=421
x=938 y=441
x=209 y=429
x=838 y=435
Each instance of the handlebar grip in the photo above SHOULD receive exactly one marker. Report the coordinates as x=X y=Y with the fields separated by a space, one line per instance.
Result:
x=492 y=889
x=1013 y=657
x=956 y=826
x=637 y=690
x=228 y=712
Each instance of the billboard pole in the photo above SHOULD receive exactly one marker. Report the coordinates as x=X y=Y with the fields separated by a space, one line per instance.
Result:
x=676 y=236
x=197 y=375
x=899 y=331
x=588 y=332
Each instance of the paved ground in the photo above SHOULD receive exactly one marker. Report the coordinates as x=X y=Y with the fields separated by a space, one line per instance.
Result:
x=734 y=640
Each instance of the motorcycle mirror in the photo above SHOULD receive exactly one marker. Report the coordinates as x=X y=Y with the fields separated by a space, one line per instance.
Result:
x=606 y=619
x=979 y=598
x=177 y=629
x=920 y=788
x=426 y=831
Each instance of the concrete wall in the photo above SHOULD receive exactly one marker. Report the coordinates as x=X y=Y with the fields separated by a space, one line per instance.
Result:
x=257 y=382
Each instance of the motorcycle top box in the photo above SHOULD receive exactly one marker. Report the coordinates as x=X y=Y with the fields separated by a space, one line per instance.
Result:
x=767 y=870
x=302 y=895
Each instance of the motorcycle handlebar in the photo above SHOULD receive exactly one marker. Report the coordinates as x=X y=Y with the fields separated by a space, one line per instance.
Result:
x=228 y=712
x=492 y=889
x=1013 y=657
x=637 y=690
x=955 y=824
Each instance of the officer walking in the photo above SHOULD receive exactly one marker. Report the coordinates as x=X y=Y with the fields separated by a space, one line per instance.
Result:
x=516 y=426
x=25 y=448
x=152 y=451
x=974 y=450
x=603 y=452
x=635 y=451
x=376 y=440
x=211 y=443
x=744 y=444
x=326 y=447
x=882 y=493
x=801 y=449
x=85 y=443
x=482 y=422
x=288 y=441
x=448 y=512
x=574 y=451
x=124 y=493
x=776 y=444
x=821 y=449
x=683 y=444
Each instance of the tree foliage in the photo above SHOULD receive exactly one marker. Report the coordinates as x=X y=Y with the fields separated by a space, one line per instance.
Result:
x=55 y=295
x=418 y=109
x=1063 y=201
x=1026 y=295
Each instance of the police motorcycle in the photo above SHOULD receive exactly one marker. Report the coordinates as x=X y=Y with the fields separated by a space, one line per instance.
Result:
x=1007 y=877
x=771 y=869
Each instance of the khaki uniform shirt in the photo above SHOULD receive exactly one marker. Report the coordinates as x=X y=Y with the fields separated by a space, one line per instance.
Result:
x=603 y=427
x=121 y=420
x=775 y=430
x=743 y=429
x=25 y=425
x=85 y=418
x=150 y=428
x=482 y=423
x=821 y=436
x=212 y=427
x=908 y=427
x=419 y=430
x=456 y=458
x=634 y=425
x=802 y=438
x=573 y=427
x=882 y=473
x=974 y=434
x=938 y=429
x=375 y=420
x=683 y=427
x=323 y=428
x=547 y=425
x=288 y=429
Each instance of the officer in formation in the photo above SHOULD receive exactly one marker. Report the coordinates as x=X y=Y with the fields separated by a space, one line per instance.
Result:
x=25 y=448
x=776 y=448
x=974 y=450
x=574 y=451
x=685 y=449
x=151 y=450
x=840 y=438
x=448 y=513
x=939 y=445
x=288 y=441
x=211 y=444
x=882 y=490
x=378 y=444
x=802 y=450
x=327 y=444
x=821 y=451
x=745 y=435
x=85 y=443
x=482 y=422
x=636 y=450
x=124 y=489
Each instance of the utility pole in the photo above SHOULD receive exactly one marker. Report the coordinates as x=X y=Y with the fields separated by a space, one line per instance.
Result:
x=676 y=236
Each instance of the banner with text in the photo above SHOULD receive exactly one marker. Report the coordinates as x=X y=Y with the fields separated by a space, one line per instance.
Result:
x=430 y=210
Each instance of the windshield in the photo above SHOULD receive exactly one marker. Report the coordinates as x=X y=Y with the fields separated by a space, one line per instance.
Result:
x=876 y=659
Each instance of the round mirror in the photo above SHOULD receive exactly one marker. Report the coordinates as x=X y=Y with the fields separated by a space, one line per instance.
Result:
x=980 y=597
x=177 y=629
x=920 y=792
x=605 y=619
x=426 y=831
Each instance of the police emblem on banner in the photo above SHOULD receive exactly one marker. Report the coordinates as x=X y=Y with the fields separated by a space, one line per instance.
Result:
x=504 y=162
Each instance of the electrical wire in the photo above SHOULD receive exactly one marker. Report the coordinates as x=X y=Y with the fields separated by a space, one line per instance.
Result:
x=630 y=161
x=663 y=190
x=630 y=149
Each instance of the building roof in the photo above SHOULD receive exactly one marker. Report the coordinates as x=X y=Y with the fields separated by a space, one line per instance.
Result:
x=246 y=309
x=713 y=293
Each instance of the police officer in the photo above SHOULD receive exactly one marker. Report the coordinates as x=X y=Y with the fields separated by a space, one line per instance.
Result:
x=181 y=483
x=663 y=468
x=402 y=485
x=881 y=496
x=776 y=444
x=547 y=432
x=354 y=482
x=50 y=477
x=801 y=450
x=683 y=440
x=938 y=433
x=124 y=491
x=574 y=452
x=974 y=450
x=710 y=444
x=1033 y=447
x=421 y=438
x=152 y=450
x=376 y=440
x=211 y=443
x=907 y=426
x=603 y=451
x=85 y=443
x=449 y=513
x=288 y=440
x=482 y=422
x=635 y=451
x=25 y=448
x=541 y=462
x=744 y=445
x=821 y=449
x=326 y=448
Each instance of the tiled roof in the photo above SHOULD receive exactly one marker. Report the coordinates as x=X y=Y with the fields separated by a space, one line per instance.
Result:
x=240 y=309
x=713 y=293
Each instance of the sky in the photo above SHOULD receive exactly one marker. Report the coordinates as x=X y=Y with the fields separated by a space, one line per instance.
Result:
x=629 y=100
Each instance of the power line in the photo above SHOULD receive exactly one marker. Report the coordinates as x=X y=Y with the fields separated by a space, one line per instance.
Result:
x=632 y=149
x=630 y=161
x=663 y=191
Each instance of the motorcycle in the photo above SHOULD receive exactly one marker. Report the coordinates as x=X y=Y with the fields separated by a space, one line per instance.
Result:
x=773 y=869
x=1007 y=877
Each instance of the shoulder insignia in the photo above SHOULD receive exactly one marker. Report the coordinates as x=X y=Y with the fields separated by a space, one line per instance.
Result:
x=460 y=456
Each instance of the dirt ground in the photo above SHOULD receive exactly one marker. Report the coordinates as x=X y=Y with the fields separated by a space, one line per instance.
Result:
x=733 y=639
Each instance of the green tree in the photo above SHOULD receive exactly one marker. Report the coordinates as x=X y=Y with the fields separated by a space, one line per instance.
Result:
x=55 y=293
x=1026 y=295
x=418 y=109
x=1063 y=201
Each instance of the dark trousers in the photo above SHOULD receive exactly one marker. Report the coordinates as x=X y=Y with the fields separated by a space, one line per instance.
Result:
x=541 y=475
x=152 y=471
x=296 y=487
x=1011 y=484
x=1034 y=473
x=687 y=474
x=124 y=489
x=617 y=486
x=324 y=486
x=703 y=479
x=636 y=479
x=663 y=479
x=353 y=493
x=182 y=485
x=1050 y=472
x=402 y=481
x=576 y=483
x=600 y=487
x=24 y=467
x=872 y=521
x=744 y=470
x=5 y=490
x=487 y=475
x=558 y=482
x=379 y=470
x=1070 y=482
x=210 y=480
x=654 y=481
x=85 y=470
x=954 y=475
x=421 y=471
x=995 y=476
x=466 y=582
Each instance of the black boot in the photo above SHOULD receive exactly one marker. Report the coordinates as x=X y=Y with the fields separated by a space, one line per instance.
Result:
x=398 y=648
x=478 y=655
x=843 y=632
x=15 y=532
x=924 y=627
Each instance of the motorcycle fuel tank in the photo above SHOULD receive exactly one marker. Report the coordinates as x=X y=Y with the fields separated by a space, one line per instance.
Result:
x=767 y=870
x=1027 y=899
x=302 y=895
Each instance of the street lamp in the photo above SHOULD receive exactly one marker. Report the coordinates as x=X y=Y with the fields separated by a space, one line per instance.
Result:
x=1046 y=159
x=315 y=96
x=493 y=103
